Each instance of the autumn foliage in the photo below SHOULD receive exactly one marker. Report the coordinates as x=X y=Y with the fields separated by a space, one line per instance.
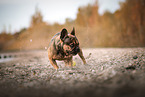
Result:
x=124 y=28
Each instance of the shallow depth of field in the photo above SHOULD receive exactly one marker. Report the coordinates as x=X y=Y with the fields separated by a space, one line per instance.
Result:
x=124 y=28
x=116 y=71
x=112 y=44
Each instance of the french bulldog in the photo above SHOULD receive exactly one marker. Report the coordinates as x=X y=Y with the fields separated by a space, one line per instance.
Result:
x=64 y=46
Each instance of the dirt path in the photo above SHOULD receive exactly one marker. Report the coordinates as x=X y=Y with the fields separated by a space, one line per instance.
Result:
x=110 y=72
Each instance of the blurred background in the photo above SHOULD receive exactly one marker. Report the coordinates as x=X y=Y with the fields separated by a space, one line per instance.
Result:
x=30 y=24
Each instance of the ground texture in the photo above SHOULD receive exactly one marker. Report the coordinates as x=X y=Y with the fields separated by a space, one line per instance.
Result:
x=109 y=72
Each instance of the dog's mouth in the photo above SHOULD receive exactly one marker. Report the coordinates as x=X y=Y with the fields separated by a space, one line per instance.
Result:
x=72 y=50
x=71 y=53
x=75 y=51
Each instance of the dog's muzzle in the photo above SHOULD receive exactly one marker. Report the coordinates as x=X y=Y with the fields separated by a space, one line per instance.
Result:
x=75 y=50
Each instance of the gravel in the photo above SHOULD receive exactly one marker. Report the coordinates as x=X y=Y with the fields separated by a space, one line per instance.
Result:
x=109 y=72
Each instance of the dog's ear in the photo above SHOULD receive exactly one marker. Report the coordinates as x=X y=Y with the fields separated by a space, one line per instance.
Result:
x=73 y=31
x=63 y=34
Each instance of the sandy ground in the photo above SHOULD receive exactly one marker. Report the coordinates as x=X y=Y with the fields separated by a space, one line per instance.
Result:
x=109 y=72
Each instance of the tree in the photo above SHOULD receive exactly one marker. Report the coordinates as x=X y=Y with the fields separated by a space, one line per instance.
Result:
x=37 y=17
x=132 y=17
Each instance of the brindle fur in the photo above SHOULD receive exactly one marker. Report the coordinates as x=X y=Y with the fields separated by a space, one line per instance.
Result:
x=64 y=46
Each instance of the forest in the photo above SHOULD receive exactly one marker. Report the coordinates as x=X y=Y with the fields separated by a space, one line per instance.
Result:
x=124 y=28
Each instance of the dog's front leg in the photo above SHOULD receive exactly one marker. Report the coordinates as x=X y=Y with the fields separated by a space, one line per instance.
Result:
x=68 y=62
x=54 y=64
x=81 y=56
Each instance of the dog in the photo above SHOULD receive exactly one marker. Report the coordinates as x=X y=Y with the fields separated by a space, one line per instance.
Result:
x=64 y=46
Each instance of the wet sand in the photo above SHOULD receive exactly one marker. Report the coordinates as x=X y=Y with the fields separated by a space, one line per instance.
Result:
x=109 y=72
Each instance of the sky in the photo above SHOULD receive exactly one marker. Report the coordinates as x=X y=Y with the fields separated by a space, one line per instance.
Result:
x=16 y=14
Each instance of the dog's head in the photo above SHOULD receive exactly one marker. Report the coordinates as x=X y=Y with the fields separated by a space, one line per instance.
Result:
x=70 y=42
